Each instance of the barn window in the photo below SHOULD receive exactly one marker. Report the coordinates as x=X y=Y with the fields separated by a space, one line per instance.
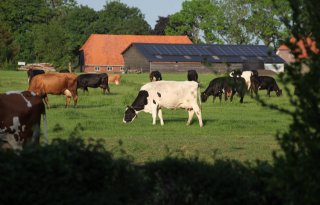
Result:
x=215 y=57
x=97 y=68
x=187 y=57
x=110 y=68
x=158 y=56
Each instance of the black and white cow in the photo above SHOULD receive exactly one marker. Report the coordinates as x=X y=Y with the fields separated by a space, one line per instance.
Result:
x=227 y=85
x=93 y=80
x=192 y=75
x=155 y=76
x=20 y=117
x=265 y=83
x=154 y=96
x=244 y=74
x=33 y=72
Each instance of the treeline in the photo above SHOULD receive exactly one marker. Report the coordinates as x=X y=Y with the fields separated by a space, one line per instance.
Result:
x=53 y=30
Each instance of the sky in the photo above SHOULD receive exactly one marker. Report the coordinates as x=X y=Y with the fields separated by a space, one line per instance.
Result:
x=152 y=9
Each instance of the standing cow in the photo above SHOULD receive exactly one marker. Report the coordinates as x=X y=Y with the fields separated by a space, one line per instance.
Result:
x=20 y=117
x=244 y=74
x=154 y=96
x=155 y=76
x=115 y=78
x=265 y=83
x=227 y=85
x=93 y=81
x=56 y=84
x=192 y=75
x=33 y=72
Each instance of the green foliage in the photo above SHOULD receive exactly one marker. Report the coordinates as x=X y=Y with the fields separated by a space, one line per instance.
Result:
x=194 y=17
x=296 y=176
x=118 y=18
x=68 y=172
x=76 y=172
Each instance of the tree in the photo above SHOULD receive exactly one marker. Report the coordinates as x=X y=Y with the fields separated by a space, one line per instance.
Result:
x=265 y=21
x=297 y=176
x=118 y=18
x=234 y=15
x=159 y=28
x=79 y=25
x=195 y=18
x=8 y=48
x=52 y=44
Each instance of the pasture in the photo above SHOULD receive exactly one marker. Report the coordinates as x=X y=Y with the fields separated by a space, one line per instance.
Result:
x=245 y=132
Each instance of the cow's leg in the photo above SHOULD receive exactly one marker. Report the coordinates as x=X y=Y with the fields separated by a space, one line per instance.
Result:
x=268 y=92
x=46 y=100
x=68 y=95
x=190 y=112
x=154 y=115
x=160 y=116
x=198 y=113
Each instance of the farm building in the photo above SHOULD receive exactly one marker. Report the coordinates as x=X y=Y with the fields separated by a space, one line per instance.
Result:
x=301 y=50
x=201 y=57
x=102 y=52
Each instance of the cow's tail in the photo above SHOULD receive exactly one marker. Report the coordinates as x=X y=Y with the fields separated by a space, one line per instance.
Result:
x=199 y=97
x=45 y=127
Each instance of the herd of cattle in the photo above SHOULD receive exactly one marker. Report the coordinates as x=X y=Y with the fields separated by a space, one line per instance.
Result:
x=20 y=112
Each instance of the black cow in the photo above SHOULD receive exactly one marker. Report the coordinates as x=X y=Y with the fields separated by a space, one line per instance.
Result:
x=33 y=72
x=265 y=83
x=155 y=76
x=227 y=85
x=20 y=117
x=93 y=80
x=192 y=75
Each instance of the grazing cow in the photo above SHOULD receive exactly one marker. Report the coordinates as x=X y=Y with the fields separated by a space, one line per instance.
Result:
x=265 y=83
x=192 y=75
x=227 y=85
x=244 y=74
x=56 y=84
x=93 y=81
x=114 y=79
x=155 y=76
x=20 y=117
x=32 y=72
x=153 y=96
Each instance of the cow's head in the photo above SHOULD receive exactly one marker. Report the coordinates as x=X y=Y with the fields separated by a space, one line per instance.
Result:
x=204 y=97
x=236 y=74
x=129 y=115
x=279 y=92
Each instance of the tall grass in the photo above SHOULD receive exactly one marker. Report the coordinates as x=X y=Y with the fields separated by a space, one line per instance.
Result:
x=231 y=130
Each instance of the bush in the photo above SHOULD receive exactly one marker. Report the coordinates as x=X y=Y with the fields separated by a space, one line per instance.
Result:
x=74 y=172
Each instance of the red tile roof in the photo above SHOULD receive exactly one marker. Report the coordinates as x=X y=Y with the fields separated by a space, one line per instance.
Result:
x=105 y=49
x=301 y=47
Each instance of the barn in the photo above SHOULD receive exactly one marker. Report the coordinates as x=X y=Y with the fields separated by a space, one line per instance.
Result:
x=102 y=52
x=201 y=57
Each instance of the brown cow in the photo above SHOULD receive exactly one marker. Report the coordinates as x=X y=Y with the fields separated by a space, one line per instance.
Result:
x=114 y=79
x=56 y=84
x=20 y=116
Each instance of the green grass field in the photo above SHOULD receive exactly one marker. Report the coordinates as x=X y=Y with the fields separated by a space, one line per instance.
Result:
x=245 y=132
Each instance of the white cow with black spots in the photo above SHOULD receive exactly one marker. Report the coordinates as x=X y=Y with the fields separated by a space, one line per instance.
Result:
x=154 y=96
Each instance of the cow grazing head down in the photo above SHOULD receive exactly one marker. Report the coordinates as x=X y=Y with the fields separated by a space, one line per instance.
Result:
x=129 y=115
x=154 y=96
x=20 y=116
x=138 y=105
